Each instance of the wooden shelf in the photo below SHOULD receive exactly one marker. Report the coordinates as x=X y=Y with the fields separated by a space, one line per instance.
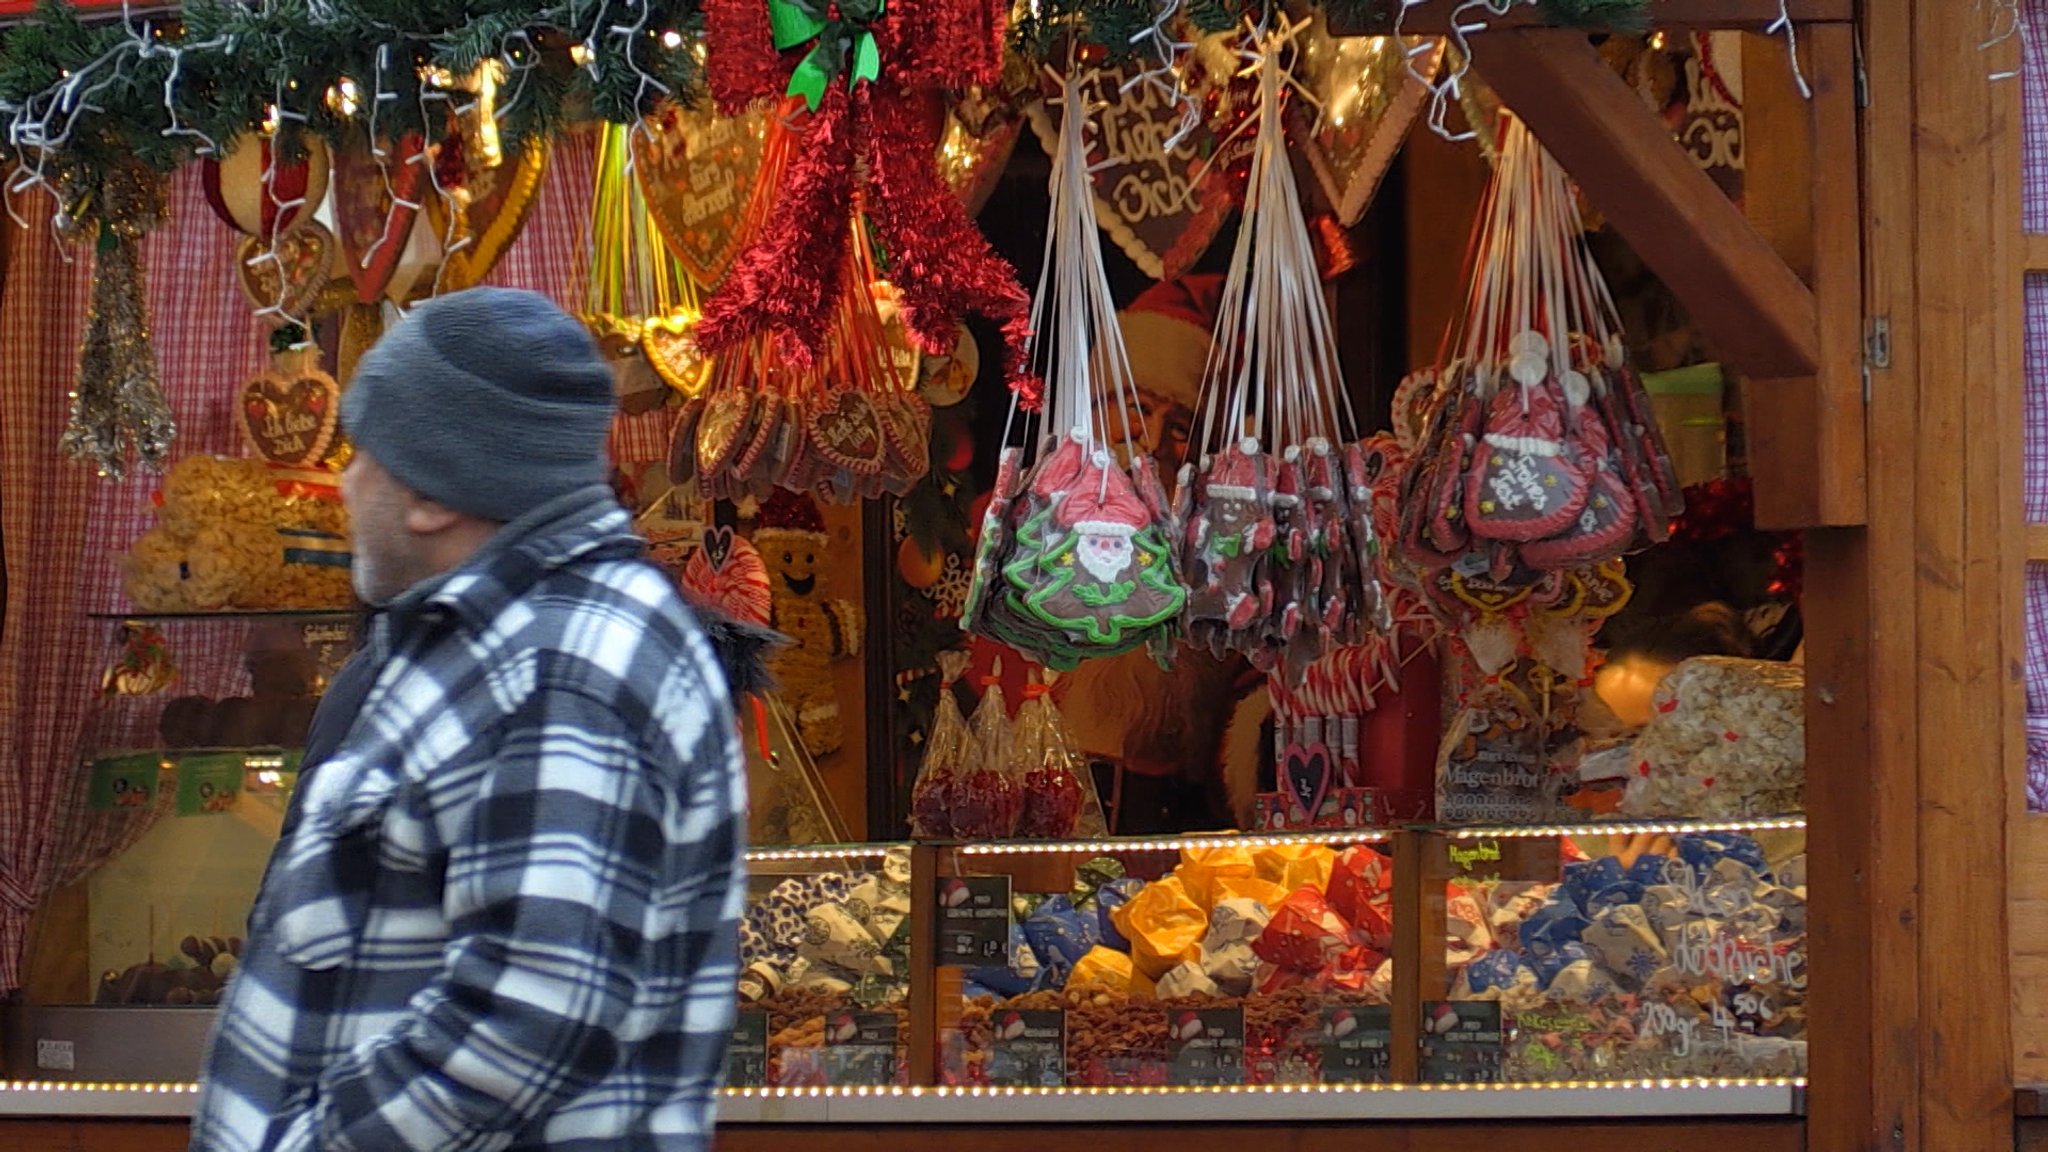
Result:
x=2037 y=542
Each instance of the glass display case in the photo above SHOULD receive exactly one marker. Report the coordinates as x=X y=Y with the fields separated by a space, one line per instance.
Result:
x=1616 y=952
x=826 y=972
x=1208 y=961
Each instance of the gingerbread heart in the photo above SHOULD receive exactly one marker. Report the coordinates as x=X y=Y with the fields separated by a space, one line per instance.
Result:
x=1163 y=208
x=290 y=420
x=697 y=170
x=489 y=219
x=1368 y=92
x=670 y=345
x=375 y=203
x=846 y=431
x=288 y=279
x=1305 y=774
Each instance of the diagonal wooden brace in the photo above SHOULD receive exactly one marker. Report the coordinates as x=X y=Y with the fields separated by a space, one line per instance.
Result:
x=1739 y=291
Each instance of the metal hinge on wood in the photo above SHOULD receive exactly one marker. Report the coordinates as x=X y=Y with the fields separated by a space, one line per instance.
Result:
x=1877 y=347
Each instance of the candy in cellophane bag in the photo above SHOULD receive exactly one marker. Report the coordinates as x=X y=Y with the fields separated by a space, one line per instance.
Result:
x=985 y=798
x=948 y=748
x=1059 y=797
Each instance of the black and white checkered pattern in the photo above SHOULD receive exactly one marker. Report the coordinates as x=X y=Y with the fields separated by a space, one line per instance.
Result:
x=508 y=917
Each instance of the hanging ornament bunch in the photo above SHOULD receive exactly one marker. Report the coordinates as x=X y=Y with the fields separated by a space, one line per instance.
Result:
x=638 y=299
x=1076 y=557
x=873 y=75
x=844 y=426
x=1279 y=545
x=117 y=404
x=1542 y=453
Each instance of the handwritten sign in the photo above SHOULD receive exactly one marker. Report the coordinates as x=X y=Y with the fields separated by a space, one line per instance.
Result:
x=746 y=1057
x=1162 y=207
x=1357 y=1045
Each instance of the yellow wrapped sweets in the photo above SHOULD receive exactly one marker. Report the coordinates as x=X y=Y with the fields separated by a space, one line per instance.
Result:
x=1164 y=925
x=1296 y=866
x=1203 y=871
x=1265 y=892
x=1103 y=970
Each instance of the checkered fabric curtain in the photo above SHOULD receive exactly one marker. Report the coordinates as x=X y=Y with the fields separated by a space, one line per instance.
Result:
x=2034 y=210
x=65 y=528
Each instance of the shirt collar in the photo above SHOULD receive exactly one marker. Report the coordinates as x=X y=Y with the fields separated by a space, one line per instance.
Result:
x=587 y=524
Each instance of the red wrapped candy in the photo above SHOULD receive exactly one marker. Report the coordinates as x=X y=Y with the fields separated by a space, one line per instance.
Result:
x=1305 y=934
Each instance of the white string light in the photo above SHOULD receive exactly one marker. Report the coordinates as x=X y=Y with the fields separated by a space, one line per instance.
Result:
x=2007 y=24
x=1785 y=25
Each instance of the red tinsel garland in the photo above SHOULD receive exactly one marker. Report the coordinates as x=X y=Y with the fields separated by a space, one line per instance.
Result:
x=873 y=148
x=787 y=279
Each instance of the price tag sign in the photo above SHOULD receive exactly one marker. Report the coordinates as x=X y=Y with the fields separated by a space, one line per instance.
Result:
x=746 y=1058
x=974 y=920
x=861 y=1048
x=1461 y=1042
x=1358 y=1045
x=1205 y=1047
x=1030 y=1049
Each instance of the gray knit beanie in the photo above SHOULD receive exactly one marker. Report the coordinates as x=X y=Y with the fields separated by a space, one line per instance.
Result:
x=489 y=401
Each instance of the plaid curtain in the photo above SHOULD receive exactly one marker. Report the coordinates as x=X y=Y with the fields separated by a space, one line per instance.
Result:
x=65 y=528
x=2034 y=212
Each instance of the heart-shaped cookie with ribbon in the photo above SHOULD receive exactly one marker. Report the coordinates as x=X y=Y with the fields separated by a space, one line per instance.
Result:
x=290 y=419
x=289 y=278
x=697 y=171
x=1163 y=208
x=1369 y=95
x=670 y=345
x=846 y=431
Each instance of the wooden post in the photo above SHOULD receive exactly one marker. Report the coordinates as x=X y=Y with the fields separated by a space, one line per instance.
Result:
x=1806 y=434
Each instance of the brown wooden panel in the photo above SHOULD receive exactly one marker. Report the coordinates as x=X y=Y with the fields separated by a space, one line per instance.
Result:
x=94 y=1135
x=1967 y=512
x=1740 y=293
x=1780 y=1135
x=1435 y=18
x=1806 y=434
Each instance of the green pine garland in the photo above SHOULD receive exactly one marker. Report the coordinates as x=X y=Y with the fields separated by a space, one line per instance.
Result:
x=113 y=97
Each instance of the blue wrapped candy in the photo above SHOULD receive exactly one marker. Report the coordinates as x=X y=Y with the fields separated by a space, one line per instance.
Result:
x=1587 y=878
x=1495 y=969
x=1703 y=850
x=1060 y=935
x=1614 y=896
x=1649 y=871
x=1553 y=961
x=1551 y=927
x=1108 y=899
x=1021 y=975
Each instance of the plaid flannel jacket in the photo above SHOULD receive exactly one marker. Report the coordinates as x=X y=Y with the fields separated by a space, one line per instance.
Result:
x=508 y=917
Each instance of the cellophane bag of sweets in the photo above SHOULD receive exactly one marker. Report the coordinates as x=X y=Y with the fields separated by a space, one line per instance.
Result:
x=948 y=749
x=985 y=798
x=1059 y=798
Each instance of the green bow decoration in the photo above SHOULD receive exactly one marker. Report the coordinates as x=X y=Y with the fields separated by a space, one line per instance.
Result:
x=799 y=22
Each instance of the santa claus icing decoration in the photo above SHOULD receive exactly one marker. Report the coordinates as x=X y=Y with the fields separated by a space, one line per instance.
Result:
x=1278 y=541
x=1075 y=558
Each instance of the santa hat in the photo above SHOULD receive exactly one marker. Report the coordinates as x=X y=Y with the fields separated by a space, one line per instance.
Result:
x=1095 y=508
x=1167 y=332
x=789 y=514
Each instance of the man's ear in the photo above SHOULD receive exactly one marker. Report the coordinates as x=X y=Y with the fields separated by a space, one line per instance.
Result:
x=424 y=517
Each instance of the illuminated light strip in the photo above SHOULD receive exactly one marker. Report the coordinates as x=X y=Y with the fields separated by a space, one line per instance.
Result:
x=1629 y=828
x=834 y=852
x=165 y=1087
x=1175 y=843
x=991 y=1093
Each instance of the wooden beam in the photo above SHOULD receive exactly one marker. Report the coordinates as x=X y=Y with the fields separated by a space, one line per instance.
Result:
x=2034 y=252
x=2037 y=542
x=1435 y=17
x=1806 y=434
x=1967 y=533
x=1743 y=297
